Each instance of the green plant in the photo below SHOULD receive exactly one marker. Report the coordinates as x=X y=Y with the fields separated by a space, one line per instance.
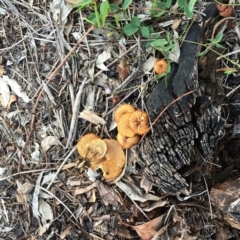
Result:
x=134 y=26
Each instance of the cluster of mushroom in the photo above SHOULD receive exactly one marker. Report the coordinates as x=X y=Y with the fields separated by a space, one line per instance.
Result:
x=104 y=154
x=131 y=123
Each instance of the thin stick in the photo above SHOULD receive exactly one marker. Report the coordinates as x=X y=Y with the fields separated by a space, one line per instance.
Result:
x=41 y=92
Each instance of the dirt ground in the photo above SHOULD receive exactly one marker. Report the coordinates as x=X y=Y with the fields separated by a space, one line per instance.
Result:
x=62 y=78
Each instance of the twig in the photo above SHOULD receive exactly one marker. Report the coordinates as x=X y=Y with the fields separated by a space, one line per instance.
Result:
x=41 y=92
x=164 y=110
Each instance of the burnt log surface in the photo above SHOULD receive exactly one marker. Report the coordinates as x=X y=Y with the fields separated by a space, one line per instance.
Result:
x=188 y=129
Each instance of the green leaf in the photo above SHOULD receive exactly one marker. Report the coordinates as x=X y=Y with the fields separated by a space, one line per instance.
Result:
x=129 y=29
x=191 y=5
x=126 y=4
x=135 y=21
x=182 y=3
x=220 y=46
x=97 y=16
x=82 y=4
x=145 y=31
x=159 y=43
x=104 y=8
x=219 y=37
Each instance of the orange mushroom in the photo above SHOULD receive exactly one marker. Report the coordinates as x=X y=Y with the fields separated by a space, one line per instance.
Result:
x=124 y=127
x=121 y=110
x=224 y=10
x=113 y=161
x=127 y=142
x=160 y=66
x=97 y=149
x=83 y=144
x=138 y=122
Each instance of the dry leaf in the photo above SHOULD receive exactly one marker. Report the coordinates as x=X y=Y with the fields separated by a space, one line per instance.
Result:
x=147 y=230
x=103 y=57
x=149 y=64
x=23 y=190
x=16 y=88
x=49 y=141
x=92 y=117
x=176 y=23
x=4 y=90
x=12 y=99
x=133 y=195
x=1 y=70
x=46 y=216
x=154 y=205
x=122 y=69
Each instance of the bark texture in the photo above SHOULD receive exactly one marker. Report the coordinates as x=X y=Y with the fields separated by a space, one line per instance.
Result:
x=187 y=130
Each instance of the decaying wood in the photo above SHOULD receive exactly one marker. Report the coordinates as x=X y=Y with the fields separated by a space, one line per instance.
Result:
x=186 y=132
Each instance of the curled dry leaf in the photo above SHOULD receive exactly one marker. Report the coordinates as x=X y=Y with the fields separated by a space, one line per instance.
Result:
x=103 y=57
x=49 y=141
x=46 y=216
x=122 y=69
x=12 y=99
x=134 y=196
x=147 y=230
x=149 y=64
x=16 y=88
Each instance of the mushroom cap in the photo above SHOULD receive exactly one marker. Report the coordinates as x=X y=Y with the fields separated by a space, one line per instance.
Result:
x=113 y=161
x=98 y=149
x=160 y=66
x=124 y=127
x=138 y=122
x=224 y=10
x=83 y=144
x=127 y=142
x=121 y=110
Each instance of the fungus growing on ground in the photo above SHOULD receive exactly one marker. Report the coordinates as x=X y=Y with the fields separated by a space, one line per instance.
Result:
x=124 y=127
x=224 y=10
x=138 y=122
x=106 y=155
x=160 y=66
x=127 y=142
x=121 y=110
x=114 y=160
x=83 y=144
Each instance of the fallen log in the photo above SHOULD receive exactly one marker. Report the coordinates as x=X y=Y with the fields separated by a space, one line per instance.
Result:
x=188 y=130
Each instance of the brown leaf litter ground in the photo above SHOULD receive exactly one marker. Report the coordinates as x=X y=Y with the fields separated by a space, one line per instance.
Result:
x=59 y=81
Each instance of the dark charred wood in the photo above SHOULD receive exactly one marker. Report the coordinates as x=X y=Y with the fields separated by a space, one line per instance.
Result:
x=187 y=131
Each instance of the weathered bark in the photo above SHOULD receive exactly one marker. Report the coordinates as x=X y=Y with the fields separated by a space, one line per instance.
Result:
x=186 y=131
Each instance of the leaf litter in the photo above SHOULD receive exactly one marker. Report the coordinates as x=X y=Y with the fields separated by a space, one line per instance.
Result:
x=51 y=195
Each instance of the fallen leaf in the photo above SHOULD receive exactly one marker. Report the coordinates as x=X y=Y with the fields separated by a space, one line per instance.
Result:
x=147 y=230
x=11 y=100
x=4 y=90
x=49 y=141
x=23 y=190
x=16 y=88
x=134 y=196
x=176 y=23
x=103 y=57
x=154 y=205
x=122 y=69
x=92 y=117
x=46 y=216
x=149 y=64
x=1 y=70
